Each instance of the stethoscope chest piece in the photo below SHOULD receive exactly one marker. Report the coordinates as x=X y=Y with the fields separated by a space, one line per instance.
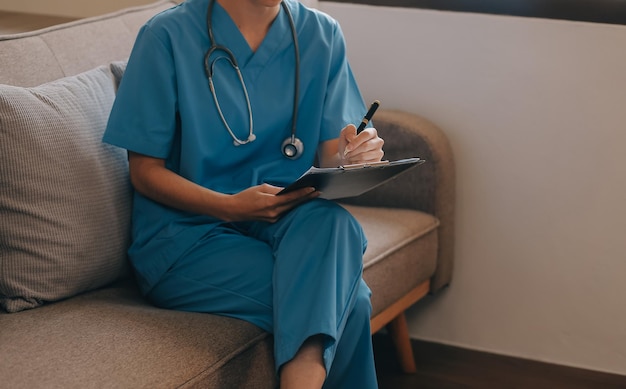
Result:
x=292 y=147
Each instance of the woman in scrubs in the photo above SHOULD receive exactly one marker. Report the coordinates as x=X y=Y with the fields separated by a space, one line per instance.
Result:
x=209 y=233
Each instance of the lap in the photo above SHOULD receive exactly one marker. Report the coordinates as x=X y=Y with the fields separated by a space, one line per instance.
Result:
x=227 y=273
x=241 y=269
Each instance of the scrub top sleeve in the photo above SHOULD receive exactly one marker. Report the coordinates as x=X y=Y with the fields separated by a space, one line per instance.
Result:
x=143 y=117
x=343 y=103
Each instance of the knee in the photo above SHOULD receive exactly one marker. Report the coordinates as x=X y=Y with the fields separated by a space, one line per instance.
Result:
x=339 y=220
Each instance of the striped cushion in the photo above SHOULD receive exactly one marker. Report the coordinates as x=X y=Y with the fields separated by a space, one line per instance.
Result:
x=64 y=195
x=118 y=68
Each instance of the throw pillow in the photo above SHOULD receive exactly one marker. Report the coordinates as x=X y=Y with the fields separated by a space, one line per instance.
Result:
x=64 y=195
x=118 y=68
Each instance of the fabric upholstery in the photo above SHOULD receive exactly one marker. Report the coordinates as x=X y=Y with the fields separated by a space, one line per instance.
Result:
x=118 y=68
x=112 y=338
x=33 y=58
x=401 y=251
x=65 y=201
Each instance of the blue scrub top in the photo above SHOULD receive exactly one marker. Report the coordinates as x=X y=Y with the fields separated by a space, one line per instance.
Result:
x=164 y=109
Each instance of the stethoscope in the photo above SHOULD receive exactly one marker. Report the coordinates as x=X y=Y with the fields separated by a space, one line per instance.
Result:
x=291 y=147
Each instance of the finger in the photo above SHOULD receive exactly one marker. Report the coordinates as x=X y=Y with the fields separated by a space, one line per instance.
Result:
x=365 y=136
x=349 y=132
x=294 y=195
x=365 y=158
x=347 y=136
x=280 y=209
x=271 y=189
x=370 y=151
x=301 y=200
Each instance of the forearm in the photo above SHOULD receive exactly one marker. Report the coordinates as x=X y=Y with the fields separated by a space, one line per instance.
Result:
x=152 y=179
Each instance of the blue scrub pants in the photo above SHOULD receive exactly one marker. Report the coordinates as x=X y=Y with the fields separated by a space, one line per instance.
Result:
x=298 y=277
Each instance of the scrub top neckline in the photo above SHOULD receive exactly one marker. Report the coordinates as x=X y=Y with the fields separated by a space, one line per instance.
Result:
x=251 y=62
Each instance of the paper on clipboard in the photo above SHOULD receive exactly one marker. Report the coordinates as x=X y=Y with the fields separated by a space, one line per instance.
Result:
x=351 y=180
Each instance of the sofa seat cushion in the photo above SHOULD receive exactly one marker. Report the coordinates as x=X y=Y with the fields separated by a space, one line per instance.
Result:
x=113 y=338
x=401 y=252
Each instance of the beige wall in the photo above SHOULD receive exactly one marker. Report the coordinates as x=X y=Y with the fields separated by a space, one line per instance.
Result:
x=70 y=8
x=536 y=113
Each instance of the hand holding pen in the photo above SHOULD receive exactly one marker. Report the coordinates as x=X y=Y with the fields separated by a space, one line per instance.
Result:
x=365 y=146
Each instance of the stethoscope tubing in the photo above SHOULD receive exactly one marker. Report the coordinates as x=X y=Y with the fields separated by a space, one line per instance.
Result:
x=230 y=57
x=251 y=136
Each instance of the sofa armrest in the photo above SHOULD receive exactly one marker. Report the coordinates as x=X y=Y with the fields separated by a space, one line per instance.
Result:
x=429 y=187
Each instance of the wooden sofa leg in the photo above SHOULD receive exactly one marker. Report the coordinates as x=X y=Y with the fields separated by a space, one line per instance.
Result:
x=399 y=332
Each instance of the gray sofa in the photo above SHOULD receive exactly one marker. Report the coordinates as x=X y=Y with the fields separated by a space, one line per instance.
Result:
x=77 y=318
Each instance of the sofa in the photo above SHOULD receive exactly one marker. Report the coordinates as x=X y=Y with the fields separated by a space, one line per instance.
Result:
x=72 y=315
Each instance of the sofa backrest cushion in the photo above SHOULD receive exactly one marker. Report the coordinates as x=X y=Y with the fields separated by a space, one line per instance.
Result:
x=33 y=58
x=65 y=196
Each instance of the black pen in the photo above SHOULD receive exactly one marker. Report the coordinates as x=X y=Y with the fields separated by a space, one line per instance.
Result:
x=368 y=116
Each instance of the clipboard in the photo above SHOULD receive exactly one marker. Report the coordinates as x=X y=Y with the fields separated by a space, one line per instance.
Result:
x=351 y=180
